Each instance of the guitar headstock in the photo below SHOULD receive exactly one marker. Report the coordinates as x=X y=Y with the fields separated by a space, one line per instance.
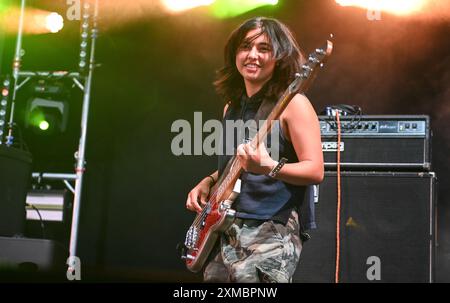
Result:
x=316 y=59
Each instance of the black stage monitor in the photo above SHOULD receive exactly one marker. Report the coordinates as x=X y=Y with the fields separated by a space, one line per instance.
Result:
x=15 y=173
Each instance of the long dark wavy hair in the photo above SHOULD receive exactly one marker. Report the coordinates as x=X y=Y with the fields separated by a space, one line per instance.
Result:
x=229 y=83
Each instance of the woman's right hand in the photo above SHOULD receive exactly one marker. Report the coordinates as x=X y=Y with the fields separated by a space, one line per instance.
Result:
x=198 y=195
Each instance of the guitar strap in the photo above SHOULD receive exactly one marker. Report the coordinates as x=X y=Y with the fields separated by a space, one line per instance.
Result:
x=264 y=109
x=263 y=112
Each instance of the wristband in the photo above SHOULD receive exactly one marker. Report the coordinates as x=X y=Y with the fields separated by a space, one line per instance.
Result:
x=213 y=180
x=277 y=168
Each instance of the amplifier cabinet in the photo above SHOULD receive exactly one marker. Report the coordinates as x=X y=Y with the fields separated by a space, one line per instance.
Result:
x=378 y=142
x=387 y=221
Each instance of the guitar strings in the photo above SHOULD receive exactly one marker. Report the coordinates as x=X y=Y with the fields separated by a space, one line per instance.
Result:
x=200 y=217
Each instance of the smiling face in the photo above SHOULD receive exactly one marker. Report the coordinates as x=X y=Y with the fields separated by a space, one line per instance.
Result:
x=255 y=61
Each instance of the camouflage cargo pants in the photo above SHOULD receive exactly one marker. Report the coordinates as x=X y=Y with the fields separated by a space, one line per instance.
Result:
x=268 y=252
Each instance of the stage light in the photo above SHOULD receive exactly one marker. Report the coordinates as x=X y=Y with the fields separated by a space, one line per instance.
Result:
x=54 y=22
x=44 y=125
x=399 y=7
x=83 y=56
x=47 y=109
x=46 y=116
x=3 y=7
x=36 y=21
x=4 y=105
x=231 y=8
x=178 y=6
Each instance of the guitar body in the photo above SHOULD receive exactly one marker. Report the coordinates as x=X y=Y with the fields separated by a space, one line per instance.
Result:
x=216 y=223
x=202 y=236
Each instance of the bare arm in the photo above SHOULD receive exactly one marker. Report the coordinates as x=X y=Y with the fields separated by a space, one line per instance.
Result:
x=303 y=130
x=301 y=126
x=199 y=194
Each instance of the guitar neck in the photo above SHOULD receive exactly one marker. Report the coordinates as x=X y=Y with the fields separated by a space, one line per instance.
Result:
x=234 y=168
x=274 y=115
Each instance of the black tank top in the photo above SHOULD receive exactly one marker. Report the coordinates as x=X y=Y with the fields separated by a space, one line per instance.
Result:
x=261 y=197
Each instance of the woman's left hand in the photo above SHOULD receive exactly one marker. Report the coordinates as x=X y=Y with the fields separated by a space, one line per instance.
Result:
x=255 y=160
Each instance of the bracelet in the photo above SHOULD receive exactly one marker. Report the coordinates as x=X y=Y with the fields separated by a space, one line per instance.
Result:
x=213 y=180
x=277 y=168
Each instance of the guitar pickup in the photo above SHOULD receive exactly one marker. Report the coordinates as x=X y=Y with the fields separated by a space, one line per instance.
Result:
x=188 y=257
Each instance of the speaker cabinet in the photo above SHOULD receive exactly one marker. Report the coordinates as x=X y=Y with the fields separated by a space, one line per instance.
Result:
x=23 y=259
x=15 y=173
x=387 y=229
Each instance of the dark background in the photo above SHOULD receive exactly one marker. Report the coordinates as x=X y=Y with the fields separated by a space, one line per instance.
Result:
x=157 y=68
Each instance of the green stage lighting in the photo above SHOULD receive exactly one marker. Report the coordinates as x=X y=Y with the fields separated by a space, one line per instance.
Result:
x=46 y=116
x=231 y=8
x=44 y=125
x=3 y=5
x=47 y=109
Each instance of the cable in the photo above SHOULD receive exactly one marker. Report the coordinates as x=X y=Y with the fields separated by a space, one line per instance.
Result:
x=333 y=114
x=40 y=219
x=338 y=211
x=353 y=111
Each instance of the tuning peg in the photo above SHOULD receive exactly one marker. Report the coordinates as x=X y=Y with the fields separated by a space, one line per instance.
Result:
x=320 y=51
x=306 y=67
x=313 y=59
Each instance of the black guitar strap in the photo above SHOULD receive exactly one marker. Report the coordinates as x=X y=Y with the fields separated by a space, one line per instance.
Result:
x=264 y=109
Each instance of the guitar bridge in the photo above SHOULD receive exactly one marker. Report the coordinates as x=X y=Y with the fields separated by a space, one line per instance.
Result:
x=191 y=237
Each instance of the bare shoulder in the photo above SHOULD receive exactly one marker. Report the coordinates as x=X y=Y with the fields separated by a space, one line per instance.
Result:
x=298 y=115
x=299 y=109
